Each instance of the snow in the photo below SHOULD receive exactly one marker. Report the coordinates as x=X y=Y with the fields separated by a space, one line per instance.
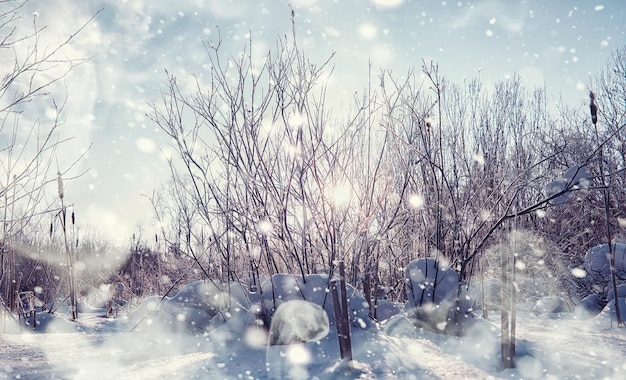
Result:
x=298 y=321
x=597 y=260
x=192 y=334
x=103 y=348
x=574 y=178
x=432 y=295
x=551 y=305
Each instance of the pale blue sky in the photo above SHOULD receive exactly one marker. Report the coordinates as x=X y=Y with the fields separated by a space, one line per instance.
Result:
x=556 y=43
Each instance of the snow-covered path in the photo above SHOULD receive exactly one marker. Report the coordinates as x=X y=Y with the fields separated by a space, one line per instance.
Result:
x=22 y=360
x=425 y=360
x=79 y=356
x=94 y=350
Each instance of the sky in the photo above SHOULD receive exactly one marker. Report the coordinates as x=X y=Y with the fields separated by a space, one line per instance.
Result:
x=556 y=44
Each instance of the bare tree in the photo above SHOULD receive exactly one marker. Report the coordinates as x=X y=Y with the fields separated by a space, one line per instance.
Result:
x=273 y=181
x=27 y=152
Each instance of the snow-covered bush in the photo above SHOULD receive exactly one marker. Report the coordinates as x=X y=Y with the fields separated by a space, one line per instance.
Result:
x=149 y=305
x=551 y=304
x=432 y=288
x=211 y=297
x=610 y=309
x=204 y=305
x=315 y=289
x=597 y=262
x=430 y=281
x=386 y=309
x=589 y=307
x=298 y=321
x=621 y=293
x=597 y=265
x=198 y=307
x=399 y=326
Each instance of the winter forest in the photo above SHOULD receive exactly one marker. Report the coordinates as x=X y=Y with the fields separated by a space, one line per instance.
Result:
x=423 y=209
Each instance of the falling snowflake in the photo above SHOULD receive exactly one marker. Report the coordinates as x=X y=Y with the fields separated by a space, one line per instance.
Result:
x=145 y=145
x=367 y=31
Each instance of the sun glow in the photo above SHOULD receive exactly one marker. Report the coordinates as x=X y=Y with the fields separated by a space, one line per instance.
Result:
x=416 y=201
x=340 y=194
x=265 y=227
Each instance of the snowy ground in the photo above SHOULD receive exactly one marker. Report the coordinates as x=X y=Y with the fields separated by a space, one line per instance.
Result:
x=99 y=348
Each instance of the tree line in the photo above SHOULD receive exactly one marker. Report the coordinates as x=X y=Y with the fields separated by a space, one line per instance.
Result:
x=269 y=176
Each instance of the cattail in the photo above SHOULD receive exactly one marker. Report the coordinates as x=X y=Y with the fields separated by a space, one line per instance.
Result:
x=60 y=185
x=429 y=125
x=50 y=230
x=73 y=219
x=593 y=108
